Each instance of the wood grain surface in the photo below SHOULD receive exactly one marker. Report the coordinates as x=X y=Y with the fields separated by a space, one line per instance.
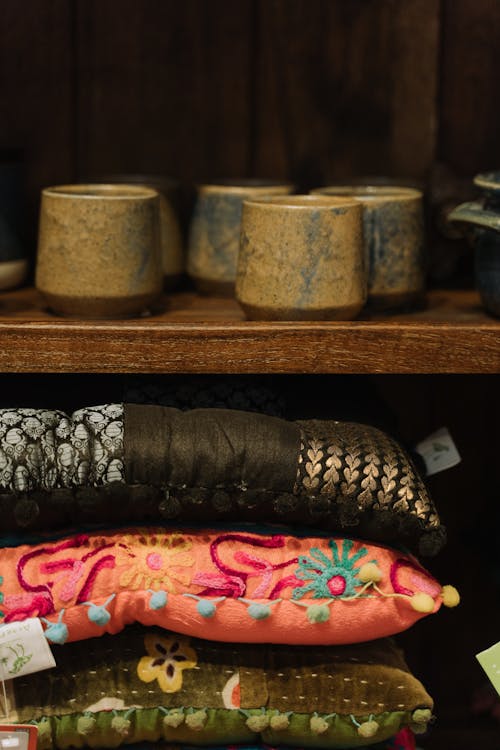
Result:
x=469 y=110
x=208 y=335
x=346 y=88
x=164 y=87
x=36 y=80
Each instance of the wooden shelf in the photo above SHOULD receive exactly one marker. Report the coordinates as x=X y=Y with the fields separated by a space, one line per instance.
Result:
x=196 y=334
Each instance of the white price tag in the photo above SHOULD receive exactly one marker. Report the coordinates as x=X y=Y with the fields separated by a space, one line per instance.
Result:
x=438 y=451
x=23 y=649
x=14 y=740
x=18 y=737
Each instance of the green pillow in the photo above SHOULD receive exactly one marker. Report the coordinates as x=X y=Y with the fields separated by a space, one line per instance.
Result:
x=148 y=684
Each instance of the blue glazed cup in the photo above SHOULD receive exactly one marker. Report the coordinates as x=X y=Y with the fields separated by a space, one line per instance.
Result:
x=214 y=236
x=301 y=258
x=484 y=216
x=393 y=226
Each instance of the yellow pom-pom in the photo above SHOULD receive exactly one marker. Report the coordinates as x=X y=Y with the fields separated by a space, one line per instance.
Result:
x=421 y=716
x=197 y=720
x=44 y=740
x=368 y=729
x=85 y=725
x=257 y=723
x=318 y=725
x=369 y=572
x=418 y=728
x=279 y=722
x=451 y=597
x=422 y=602
x=173 y=719
x=121 y=725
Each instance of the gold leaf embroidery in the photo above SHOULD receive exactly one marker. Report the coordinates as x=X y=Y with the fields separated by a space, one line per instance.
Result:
x=333 y=463
x=404 y=491
x=351 y=474
x=313 y=466
x=346 y=460
x=369 y=483
x=400 y=506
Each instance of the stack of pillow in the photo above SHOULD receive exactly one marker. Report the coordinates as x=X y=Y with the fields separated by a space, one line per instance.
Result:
x=206 y=577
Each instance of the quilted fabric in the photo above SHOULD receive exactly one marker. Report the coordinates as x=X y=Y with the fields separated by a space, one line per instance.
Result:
x=148 y=684
x=231 y=585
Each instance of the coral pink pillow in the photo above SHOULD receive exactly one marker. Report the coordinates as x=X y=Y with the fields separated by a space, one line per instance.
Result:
x=226 y=586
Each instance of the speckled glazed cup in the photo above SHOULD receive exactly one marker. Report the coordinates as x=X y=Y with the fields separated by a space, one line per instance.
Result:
x=393 y=224
x=171 y=243
x=99 y=250
x=214 y=237
x=301 y=258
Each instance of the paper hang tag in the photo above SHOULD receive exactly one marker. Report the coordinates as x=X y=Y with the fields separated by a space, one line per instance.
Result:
x=490 y=662
x=18 y=737
x=438 y=451
x=23 y=649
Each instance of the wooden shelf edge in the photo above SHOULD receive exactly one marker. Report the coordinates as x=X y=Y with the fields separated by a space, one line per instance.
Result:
x=209 y=336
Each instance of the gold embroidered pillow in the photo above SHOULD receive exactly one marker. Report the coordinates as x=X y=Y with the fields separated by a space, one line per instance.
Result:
x=150 y=685
x=137 y=463
x=225 y=585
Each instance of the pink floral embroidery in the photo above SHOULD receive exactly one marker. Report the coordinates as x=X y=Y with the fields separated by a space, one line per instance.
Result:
x=22 y=606
x=220 y=585
x=419 y=577
x=233 y=582
x=68 y=572
x=76 y=572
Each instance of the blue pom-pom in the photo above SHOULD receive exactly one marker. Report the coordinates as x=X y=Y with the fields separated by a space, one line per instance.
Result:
x=158 y=600
x=259 y=611
x=57 y=632
x=206 y=609
x=99 y=615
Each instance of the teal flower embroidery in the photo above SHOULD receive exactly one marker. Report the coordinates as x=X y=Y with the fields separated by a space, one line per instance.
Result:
x=1 y=597
x=329 y=578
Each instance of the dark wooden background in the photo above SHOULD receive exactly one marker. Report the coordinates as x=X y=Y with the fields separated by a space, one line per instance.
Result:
x=312 y=91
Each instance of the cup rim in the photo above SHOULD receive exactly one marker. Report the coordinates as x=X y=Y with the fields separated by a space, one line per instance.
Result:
x=371 y=193
x=99 y=191
x=244 y=185
x=303 y=202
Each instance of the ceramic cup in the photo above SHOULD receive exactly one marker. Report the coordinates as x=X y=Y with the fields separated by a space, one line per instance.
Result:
x=214 y=236
x=98 y=250
x=171 y=243
x=393 y=223
x=301 y=258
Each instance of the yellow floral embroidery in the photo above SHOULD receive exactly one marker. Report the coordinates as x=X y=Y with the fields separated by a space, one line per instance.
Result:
x=167 y=658
x=155 y=561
